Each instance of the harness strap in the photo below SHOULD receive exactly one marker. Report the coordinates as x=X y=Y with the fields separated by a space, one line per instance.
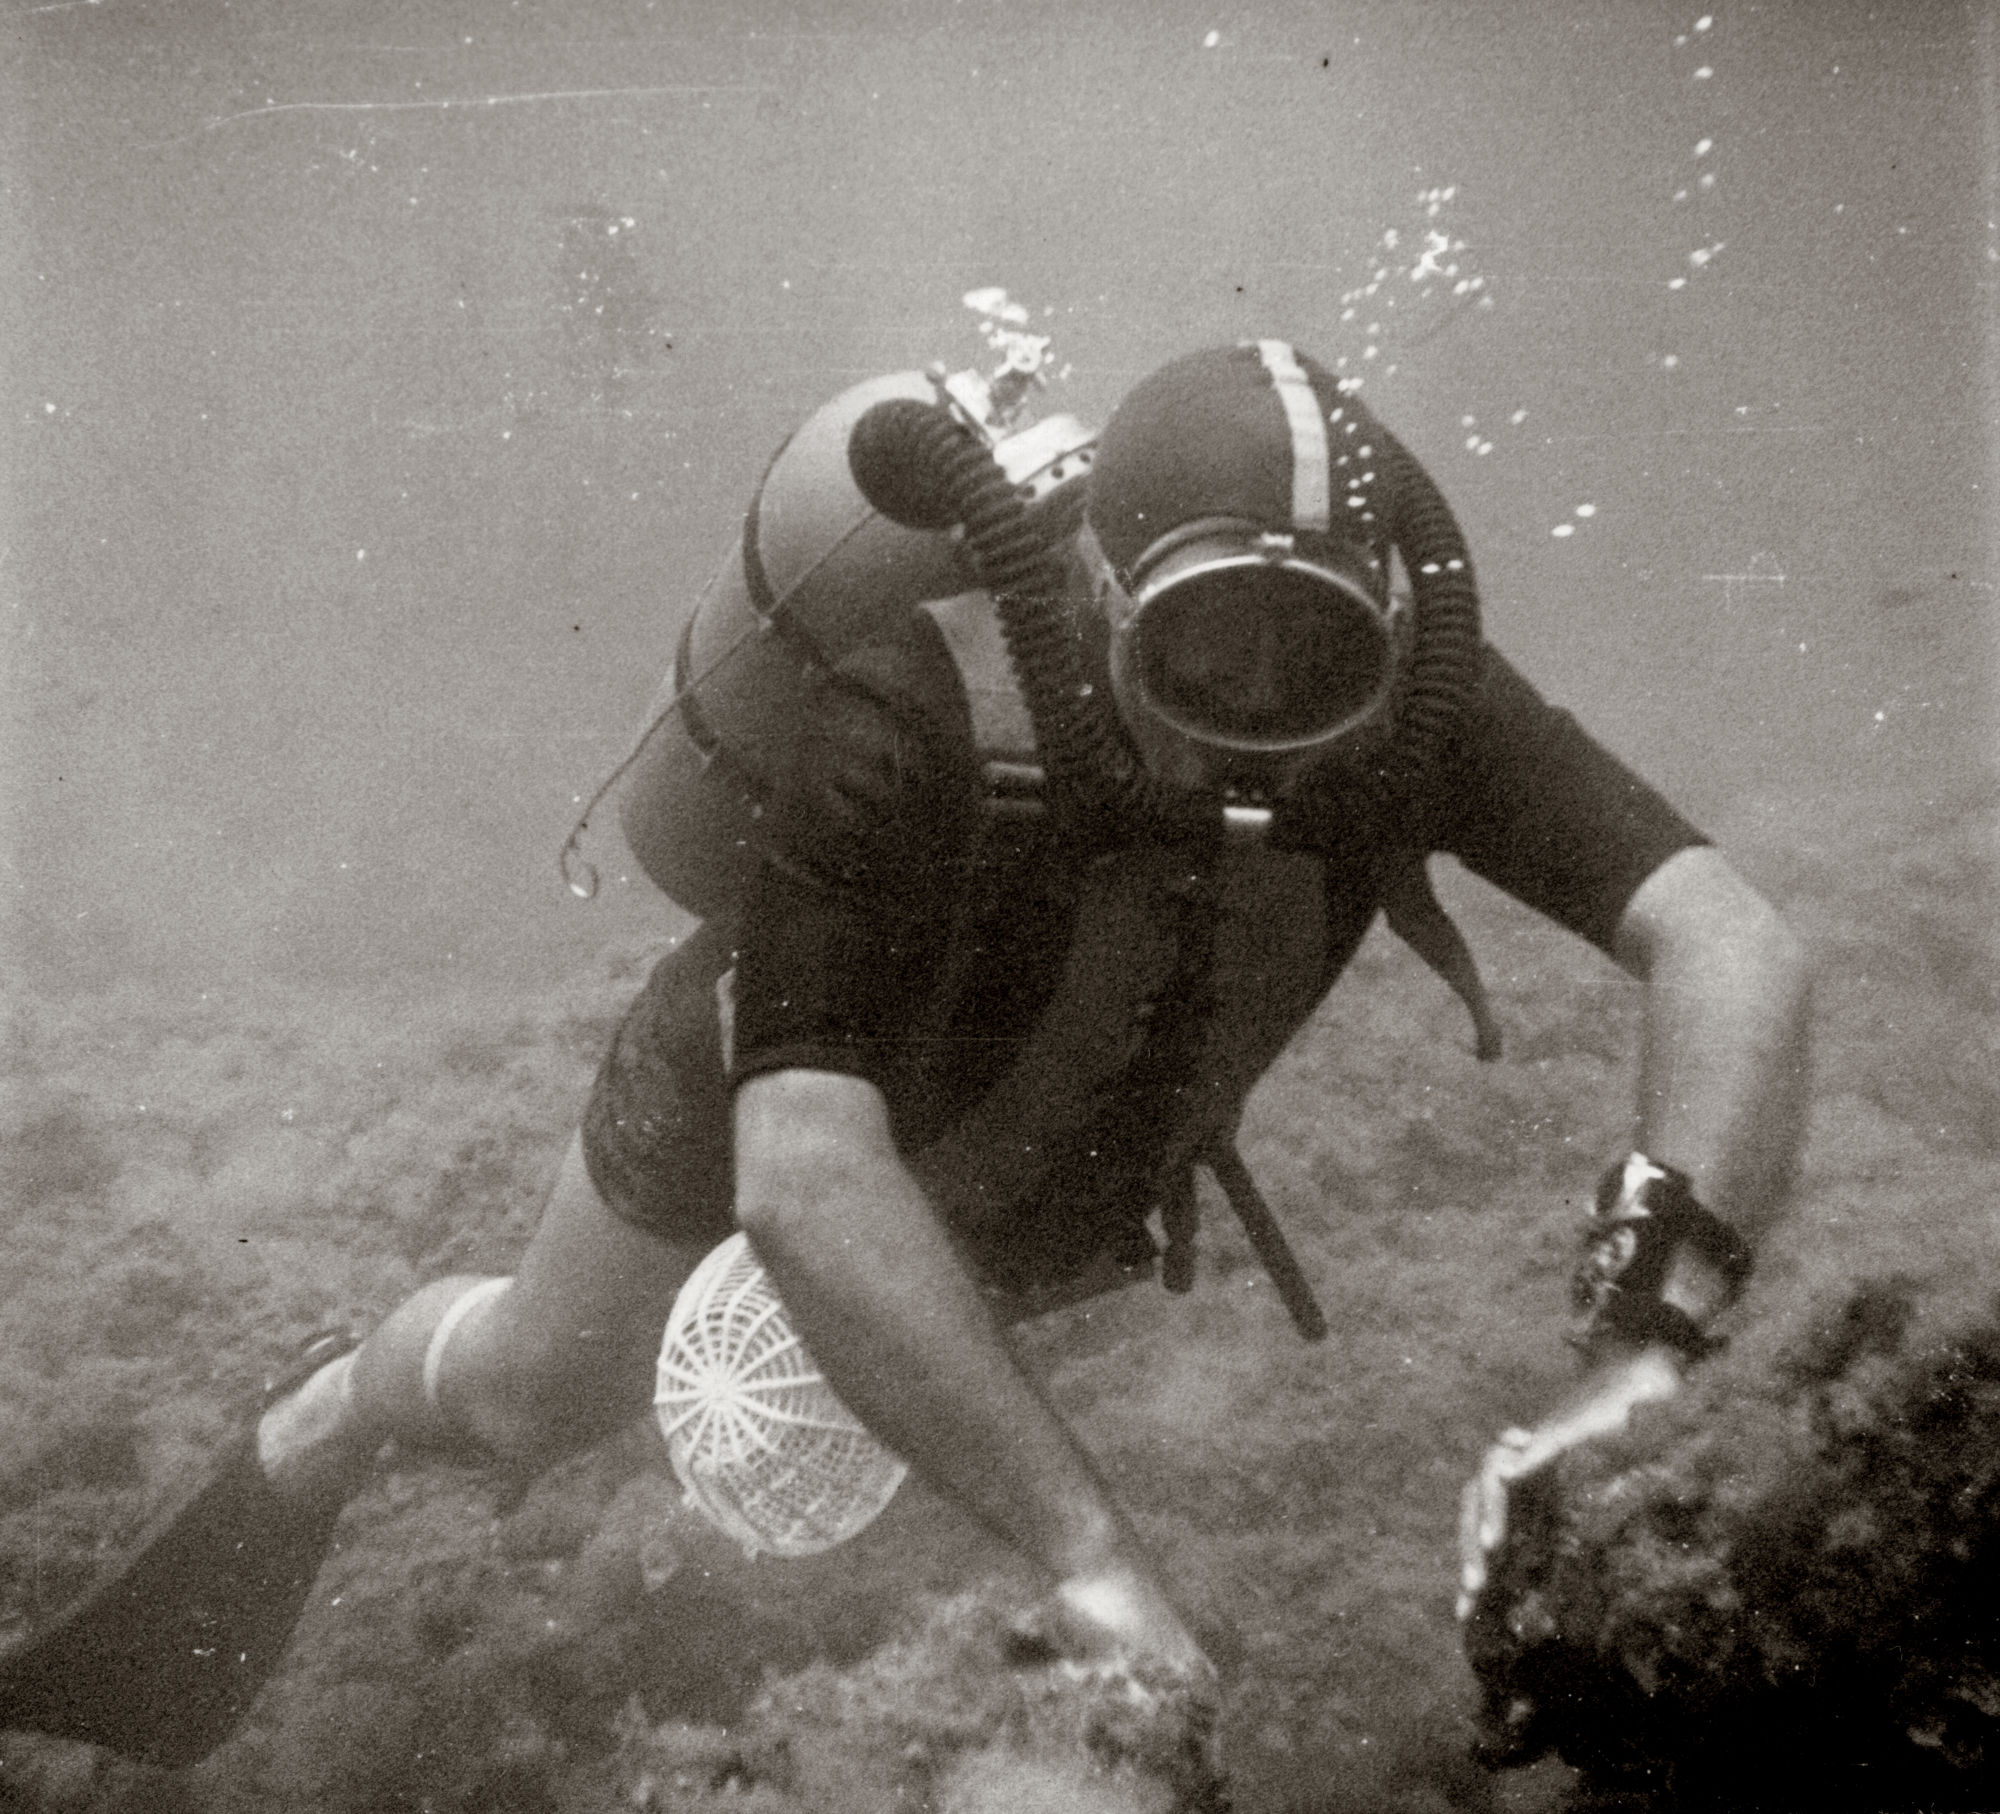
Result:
x=1226 y=1165
x=1416 y=917
x=700 y=731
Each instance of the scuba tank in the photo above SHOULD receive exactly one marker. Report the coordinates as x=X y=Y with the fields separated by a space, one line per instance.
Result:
x=817 y=573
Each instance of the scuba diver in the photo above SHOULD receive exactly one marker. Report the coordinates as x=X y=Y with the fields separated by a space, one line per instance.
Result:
x=1032 y=787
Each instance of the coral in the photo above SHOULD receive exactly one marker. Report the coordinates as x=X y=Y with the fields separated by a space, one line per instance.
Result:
x=967 y=1713
x=1784 y=1594
x=190 y=1189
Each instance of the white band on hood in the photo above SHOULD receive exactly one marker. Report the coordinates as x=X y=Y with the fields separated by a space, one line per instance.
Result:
x=1312 y=472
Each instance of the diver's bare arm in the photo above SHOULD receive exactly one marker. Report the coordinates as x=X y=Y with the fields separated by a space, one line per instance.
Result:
x=904 y=1336
x=1722 y=1095
x=1723 y=1072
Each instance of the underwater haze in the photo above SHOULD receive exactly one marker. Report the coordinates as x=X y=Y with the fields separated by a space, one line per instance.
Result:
x=384 y=379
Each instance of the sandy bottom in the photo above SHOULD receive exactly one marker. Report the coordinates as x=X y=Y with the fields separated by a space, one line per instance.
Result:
x=188 y=1193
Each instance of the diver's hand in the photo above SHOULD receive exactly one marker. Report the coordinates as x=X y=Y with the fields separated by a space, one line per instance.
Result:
x=1601 y=1405
x=1127 y=1666
x=1116 y=1620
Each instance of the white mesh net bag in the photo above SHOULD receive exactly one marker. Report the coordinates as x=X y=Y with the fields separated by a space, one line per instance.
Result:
x=756 y=1436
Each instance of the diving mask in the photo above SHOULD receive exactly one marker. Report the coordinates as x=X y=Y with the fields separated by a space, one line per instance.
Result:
x=1241 y=656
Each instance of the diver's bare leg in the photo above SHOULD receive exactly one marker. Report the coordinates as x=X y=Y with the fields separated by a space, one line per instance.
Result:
x=531 y=1369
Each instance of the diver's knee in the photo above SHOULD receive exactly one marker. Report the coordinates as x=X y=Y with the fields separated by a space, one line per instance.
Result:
x=472 y=1380
x=514 y=1391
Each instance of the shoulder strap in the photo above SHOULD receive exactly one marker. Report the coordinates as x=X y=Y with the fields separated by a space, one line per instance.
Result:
x=1003 y=732
x=970 y=627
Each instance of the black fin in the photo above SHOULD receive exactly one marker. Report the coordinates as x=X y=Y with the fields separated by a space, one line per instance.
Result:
x=161 y=1659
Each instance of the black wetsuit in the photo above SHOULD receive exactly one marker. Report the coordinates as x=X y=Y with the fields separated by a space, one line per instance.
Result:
x=1057 y=1028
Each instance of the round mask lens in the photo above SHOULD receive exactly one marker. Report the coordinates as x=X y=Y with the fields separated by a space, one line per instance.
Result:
x=1259 y=654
